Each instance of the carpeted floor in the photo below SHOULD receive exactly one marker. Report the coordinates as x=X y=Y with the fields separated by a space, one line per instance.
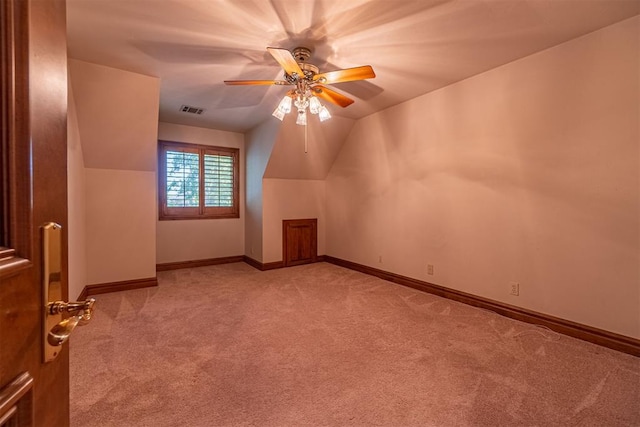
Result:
x=319 y=345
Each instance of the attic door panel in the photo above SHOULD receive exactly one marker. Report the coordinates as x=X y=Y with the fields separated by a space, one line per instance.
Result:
x=299 y=241
x=299 y=238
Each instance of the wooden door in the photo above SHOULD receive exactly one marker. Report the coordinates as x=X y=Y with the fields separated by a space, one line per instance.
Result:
x=33 y=192
x=299 y=241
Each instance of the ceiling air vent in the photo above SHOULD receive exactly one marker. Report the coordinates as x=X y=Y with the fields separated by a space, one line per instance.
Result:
x=191 y=110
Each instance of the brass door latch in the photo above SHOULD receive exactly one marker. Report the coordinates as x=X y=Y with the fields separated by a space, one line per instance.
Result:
x=56 y=329
x=61 y=331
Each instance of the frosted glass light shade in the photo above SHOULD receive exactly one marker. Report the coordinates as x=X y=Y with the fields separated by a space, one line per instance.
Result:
x=314 y=105
x=302 y=118
x=278 y=114
x=324 y=114
x=285 y=105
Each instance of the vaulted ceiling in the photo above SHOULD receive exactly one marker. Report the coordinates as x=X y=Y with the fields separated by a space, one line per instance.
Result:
x=414 y=46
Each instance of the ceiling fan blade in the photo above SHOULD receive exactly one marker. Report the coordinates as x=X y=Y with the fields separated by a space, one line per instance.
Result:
x=255 y=82
x=346 y=75
x=331 y=96
x=286 y=60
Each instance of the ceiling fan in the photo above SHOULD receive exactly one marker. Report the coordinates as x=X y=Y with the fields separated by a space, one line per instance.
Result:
x=309 y=84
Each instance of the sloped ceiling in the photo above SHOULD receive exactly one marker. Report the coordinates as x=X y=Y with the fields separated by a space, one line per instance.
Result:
x=415 y=46
x=117 y=114
x=322 y=142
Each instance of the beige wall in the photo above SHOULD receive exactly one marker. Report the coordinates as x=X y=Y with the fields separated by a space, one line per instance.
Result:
x=258 y=143
x=290 y=199
x=186 y=240
x=526 y=173
x=76 y=233
x=120 y=225
x=117 y=123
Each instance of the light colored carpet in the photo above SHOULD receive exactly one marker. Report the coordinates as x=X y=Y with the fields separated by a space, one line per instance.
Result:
x=321 y=345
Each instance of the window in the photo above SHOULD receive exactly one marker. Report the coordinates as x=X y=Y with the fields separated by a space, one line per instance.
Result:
x=197 y=181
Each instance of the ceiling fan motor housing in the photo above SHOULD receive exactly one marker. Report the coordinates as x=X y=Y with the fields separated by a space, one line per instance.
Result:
x=309 y=70
x=302 y=55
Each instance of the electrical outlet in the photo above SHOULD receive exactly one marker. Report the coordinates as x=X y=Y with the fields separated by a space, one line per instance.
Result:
x=430 y=269
x=515 y=288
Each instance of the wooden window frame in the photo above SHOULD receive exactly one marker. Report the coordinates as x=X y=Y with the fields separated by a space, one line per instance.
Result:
x=201 y=212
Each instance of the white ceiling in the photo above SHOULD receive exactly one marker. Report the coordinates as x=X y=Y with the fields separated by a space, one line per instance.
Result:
x=414 y=46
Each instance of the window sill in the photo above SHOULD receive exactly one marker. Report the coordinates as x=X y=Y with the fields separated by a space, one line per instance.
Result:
x=187 y=217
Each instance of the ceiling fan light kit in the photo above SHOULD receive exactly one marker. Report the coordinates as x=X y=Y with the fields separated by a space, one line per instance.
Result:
x=307 y=80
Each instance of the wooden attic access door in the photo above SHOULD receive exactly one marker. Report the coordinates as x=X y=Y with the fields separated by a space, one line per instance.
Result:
x=299 y=241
